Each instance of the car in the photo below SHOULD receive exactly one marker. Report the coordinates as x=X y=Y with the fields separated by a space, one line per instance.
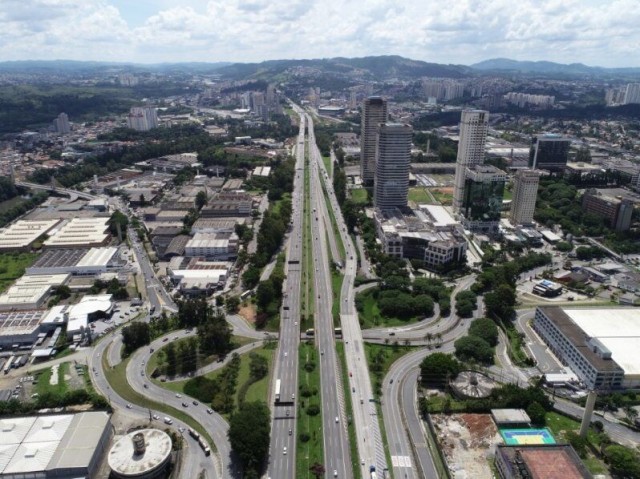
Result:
x=286 y=354
x=284 y=450
x=129 y=406
x=141 y=373
x=185 y=404
x=362 y=461
x=209 y=411
x=353 y=389
x=350 y=375
x=288 y=412
x=322 y=352
x=156 y=417
x=195 y=403
x=335 y=473
x=337 y=419
x=165 y=340
x=293 y=396
x=146 y=386
x=178 y=395
x=151 y=350
x=392 y=333
x=391 y=381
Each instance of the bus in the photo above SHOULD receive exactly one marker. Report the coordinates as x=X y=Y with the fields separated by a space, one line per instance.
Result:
x=277 y=390
x=337 y=331
x=310 y=332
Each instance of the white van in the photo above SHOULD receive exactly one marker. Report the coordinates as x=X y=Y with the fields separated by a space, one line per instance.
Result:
x=168 y=420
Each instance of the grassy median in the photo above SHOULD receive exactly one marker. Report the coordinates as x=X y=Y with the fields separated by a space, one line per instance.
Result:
x=353 y=440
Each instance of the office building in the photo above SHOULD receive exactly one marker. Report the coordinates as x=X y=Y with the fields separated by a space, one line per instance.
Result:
x=482 y=200
x=393 y=160
x=599 y=345
x=617 y=212
x=473 y=134
x=142 y=118
x=523 y=202
x=549 y=152
x=374 y=112
x=632 y=93
x=61 y=124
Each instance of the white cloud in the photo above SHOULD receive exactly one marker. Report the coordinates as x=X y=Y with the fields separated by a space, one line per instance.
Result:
x=461 y=31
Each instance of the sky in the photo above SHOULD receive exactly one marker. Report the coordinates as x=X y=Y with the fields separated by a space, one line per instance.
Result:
x=595 y=32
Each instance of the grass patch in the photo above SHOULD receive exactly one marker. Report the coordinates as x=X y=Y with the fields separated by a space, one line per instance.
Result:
x=308 y=291
x=371 y=317
x=310 y=445
x=420 y=195
x=353 y=443
x=327 y=164
x=12 y=266
x=516 y=350
x=380 y=357
x=336 y=285
x=334 y=227
x=44 y=385
x=117 y=378
x=445 y=199
x=360 y=196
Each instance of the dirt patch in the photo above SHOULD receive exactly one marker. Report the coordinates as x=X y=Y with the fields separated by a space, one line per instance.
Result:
x=444 y=190
x=467 y=441
x=248 y=312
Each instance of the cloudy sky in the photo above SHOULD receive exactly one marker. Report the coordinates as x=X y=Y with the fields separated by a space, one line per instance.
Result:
x=594 y=32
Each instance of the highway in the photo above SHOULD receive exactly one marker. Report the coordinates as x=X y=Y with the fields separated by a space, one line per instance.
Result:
x=364 y=410
x=336 y=444
x=283 y=430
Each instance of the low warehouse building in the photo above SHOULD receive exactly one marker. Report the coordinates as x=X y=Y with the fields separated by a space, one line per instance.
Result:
x=63 y=446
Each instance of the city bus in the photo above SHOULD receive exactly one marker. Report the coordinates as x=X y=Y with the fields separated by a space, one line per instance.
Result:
x=277 y=390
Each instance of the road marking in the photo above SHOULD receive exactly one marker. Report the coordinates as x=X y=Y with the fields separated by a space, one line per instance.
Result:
x=401 y=461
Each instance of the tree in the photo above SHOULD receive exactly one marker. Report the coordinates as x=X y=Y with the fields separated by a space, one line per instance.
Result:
x=249 y=435
x=170 y=359
x=500 y=302
x=486 y=329
x=201 y=200
x=142 y=200
x=233 y=304
x=317 y=470
x=258 y=366
x=537 y=414
x=473 y=348
x=624 y=462
x=118 y=220
x=135 y=335
x=437 y=368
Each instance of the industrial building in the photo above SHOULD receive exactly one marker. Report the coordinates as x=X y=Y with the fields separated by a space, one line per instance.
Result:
x=197 y=276
x=30 y=291
x=213 y=245
x=599 y=345
x=80 y=233
x=228 y=204
x=65 y=446
x=539 y=462
x=78 y=262
x=141 y=454
x=216 y=225
x=429 y=234
x=616 y=211
x=21 y=234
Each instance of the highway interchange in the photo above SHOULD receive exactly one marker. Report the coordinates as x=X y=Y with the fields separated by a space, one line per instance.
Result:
x=410 y=455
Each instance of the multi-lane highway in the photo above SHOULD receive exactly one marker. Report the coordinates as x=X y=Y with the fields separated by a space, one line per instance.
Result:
x=282 y=463
x=336 y=445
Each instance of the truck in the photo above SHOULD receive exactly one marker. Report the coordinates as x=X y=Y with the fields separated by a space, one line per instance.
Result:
x=372 y=472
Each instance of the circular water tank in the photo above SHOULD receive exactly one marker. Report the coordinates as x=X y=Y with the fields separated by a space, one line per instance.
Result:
x=140 y=454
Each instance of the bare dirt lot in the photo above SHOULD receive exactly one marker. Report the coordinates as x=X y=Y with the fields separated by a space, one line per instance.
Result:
x=468 y=442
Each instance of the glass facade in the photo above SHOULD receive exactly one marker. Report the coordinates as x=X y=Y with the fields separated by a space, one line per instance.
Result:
x=483 y=200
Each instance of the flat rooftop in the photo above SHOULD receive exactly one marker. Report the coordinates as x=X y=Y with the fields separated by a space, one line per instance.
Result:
x=24 y=232
x=618 y=329
x=80 y=232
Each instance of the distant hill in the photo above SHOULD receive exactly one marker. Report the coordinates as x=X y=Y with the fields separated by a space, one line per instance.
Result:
x=549 y=68
x=71 y=66
x=378 y=67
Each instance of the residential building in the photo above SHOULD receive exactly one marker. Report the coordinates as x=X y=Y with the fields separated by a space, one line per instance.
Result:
x=632 y=93
x=61 y=124
x=473 y=134
x=393 y=160
x=523 y=201
x=142 y=118
x=616 y=211
x=374 y=112
x=482 y=201
x=549 y=152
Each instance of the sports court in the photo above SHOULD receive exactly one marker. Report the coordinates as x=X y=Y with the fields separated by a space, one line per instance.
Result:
x=522 y=437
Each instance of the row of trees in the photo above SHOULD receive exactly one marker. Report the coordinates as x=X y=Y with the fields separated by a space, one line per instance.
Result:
x=214 y=333
x=10 y=213
x=181 y=359
x=218 y=391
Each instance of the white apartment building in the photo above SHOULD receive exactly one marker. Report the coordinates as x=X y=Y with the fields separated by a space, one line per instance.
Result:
x=474 y=125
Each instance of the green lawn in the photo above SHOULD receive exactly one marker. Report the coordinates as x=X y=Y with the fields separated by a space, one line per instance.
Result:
x=388 y=354
x=44 y=379
x=309 y=427
x=335 y=229
x=445 y=199
x=336 y=285
x=12 y=266
x=360 y=196
x=117 y=378
x=508 y=194
x=371 y=317
x=258 y=391
x=420 y=195
x=327 y=164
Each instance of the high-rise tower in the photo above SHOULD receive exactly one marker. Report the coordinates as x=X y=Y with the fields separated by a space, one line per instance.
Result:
x=473 y=134
x=393 y=159
x=374 y=112
x=525 y=192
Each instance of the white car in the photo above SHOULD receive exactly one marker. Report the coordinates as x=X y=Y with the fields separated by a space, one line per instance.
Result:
x=178 y=395
x=284 y=450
